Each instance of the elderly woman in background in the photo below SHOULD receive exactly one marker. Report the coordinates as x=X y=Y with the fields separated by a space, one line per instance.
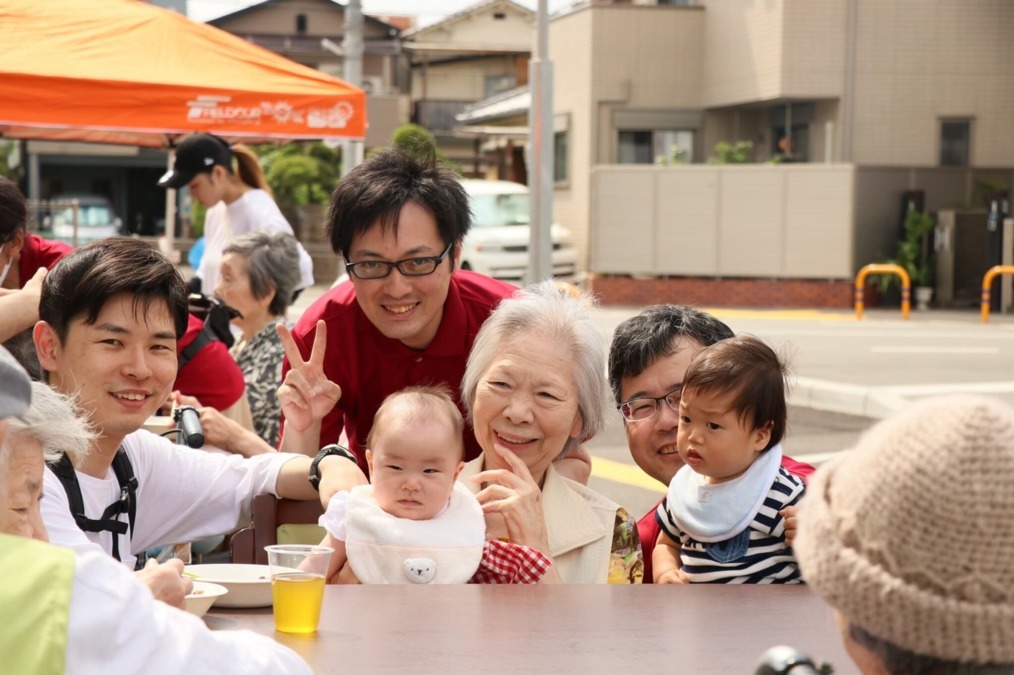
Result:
x=258 y=276
x=910 y=538
x=535 y=388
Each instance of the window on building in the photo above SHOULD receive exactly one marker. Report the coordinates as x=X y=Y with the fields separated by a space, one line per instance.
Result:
x=955 y=142
x=560 y=157
x=497 y=84
x=301 y=24
x=664 y=146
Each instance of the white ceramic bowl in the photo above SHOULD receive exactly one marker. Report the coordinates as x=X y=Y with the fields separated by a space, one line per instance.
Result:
x=248 y=585
x=203 y=597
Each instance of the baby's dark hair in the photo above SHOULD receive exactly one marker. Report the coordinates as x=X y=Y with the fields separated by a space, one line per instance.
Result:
x=427 y=401
x=749 y=370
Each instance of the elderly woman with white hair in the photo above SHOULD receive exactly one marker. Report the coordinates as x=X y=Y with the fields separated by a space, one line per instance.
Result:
x=259 y=277
x=49 y=429
x=535 y=388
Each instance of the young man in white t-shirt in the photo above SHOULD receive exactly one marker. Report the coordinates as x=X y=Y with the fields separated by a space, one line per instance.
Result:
x=111 y=313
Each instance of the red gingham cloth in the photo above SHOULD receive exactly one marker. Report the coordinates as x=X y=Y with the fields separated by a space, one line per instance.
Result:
x=506 y=563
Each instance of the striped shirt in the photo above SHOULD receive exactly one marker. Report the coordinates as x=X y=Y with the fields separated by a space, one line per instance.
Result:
x=758 y=555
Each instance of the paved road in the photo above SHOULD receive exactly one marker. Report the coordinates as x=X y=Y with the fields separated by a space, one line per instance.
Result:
x=847 y=373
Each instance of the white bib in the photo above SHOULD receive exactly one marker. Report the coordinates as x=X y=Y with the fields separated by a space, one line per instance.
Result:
x=384 y=549
x=711 y=513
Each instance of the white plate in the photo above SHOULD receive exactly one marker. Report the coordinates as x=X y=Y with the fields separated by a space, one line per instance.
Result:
x=248 y=585
x=203 y=597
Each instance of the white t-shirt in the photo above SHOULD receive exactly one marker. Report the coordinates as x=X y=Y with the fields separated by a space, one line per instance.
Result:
x=253 y=211
x=182 y=495
x=116 y=626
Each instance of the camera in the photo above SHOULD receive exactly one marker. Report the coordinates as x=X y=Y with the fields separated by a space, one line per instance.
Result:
x=784 y=660
x=188 y=423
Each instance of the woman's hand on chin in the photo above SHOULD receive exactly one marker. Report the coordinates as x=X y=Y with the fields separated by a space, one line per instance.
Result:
x=515 y=496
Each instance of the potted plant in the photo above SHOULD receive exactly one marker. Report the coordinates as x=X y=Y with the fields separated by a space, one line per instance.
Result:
x=916 y=256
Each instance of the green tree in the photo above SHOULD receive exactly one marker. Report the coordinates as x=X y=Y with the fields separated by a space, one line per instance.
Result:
x=300 y=173
x=419 y=142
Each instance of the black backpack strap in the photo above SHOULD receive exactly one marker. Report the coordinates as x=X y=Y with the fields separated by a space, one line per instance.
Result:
x=127 y=503
x=128 y=491
x=203 y=339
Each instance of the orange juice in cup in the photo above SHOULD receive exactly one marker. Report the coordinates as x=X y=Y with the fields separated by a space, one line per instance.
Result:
x=297 y=585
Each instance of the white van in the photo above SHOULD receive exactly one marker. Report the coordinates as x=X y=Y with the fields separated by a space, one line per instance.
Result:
x=497 y=243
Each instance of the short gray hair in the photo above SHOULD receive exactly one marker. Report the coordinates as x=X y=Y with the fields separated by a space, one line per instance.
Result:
x=900 y=661
x=563 y=317
x=272 y=264
x=56 y=422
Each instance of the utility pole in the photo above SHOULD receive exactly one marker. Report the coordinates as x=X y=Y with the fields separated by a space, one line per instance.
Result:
x=352 y=44
x=540 y=165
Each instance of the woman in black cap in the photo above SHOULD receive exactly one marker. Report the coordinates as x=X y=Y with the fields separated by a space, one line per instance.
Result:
x=236 y=196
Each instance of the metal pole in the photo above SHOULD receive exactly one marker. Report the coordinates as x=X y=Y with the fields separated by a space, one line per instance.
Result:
x=352 y=43
x=170 y=209
x=540 y=134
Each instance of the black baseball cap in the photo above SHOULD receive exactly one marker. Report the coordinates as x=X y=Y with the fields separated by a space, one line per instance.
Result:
x=197 y=153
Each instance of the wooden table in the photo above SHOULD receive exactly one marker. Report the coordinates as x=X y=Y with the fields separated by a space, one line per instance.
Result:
x=622 y=630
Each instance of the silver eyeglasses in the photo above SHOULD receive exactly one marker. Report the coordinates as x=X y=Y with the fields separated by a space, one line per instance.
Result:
x=409 y=267
x=637 y=409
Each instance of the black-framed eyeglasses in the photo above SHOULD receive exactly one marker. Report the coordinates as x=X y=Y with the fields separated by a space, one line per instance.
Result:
x=409 y=267
x=638 y=409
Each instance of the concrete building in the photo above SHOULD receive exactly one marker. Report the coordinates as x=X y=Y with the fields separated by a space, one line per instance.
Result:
x=864 y=103
x=311 y=32
x=477 y=53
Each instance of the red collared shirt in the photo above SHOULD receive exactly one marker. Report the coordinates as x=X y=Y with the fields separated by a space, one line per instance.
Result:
x=369 y=366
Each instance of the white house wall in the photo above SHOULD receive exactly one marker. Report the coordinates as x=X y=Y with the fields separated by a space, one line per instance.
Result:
x=729 y=221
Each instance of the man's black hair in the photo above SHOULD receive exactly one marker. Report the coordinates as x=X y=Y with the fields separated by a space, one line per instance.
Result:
x=643 y=339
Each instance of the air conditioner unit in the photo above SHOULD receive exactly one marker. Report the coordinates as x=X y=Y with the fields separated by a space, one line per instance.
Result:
x=373 y=84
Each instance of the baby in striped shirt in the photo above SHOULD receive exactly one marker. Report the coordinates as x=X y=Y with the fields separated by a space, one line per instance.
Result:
x=721 y=520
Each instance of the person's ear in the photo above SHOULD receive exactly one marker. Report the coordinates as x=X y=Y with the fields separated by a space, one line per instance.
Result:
x=761 y=436
x=47 y=345
x=457 y=472
x=575 y=429
x=17 y=242
x=369 y=461
x=268 y=298
x=456 y=255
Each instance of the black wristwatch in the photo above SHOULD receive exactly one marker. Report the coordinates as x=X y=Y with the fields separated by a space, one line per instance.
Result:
x=327 y=450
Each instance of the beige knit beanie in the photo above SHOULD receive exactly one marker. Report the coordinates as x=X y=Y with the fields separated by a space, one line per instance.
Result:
x=911 y=535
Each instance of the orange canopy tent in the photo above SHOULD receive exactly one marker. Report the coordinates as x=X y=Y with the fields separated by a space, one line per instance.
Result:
x=124 y=71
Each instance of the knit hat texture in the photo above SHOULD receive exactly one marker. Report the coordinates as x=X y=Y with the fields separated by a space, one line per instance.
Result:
x=911 y=534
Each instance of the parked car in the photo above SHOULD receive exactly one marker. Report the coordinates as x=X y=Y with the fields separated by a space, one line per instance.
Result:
x=497 y=244
x=95 y=219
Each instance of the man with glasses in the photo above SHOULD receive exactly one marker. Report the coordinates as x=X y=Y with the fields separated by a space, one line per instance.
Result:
x=648 y=358
x=406 y=316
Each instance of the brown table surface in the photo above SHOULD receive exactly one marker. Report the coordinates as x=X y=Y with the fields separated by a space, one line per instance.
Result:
x=640 y=630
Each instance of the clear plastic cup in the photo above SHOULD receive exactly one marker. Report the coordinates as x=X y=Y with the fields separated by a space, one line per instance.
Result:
x=297 y=585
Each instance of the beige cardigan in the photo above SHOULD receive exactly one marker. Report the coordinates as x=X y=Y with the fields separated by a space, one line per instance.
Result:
x=579 y=522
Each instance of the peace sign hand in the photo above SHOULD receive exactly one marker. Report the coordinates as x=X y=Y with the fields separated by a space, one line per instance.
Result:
x=306 y=395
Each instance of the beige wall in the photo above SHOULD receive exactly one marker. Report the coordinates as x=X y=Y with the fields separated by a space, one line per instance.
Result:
x=481 y=28
x=759 y=51
x=921 y=60
x=384 y=114
x=323 y=18
x=571 y=51
x=742 y=53
x=611 y=58
x=459 y=80
x=792 y=221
